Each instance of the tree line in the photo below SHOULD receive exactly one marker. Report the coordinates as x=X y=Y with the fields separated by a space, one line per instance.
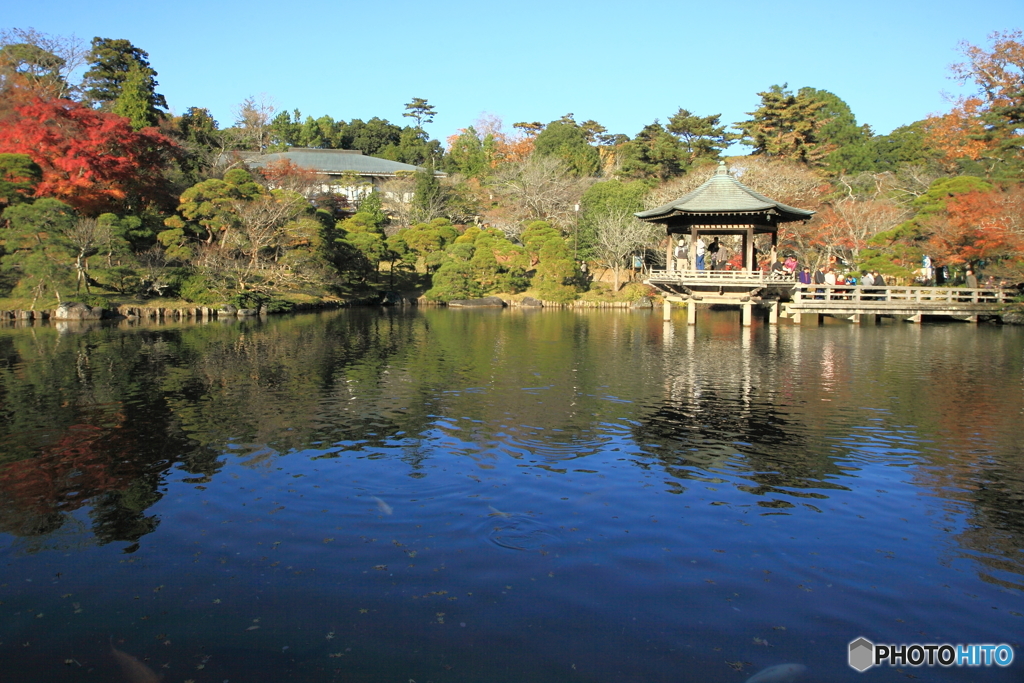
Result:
x=104 y=193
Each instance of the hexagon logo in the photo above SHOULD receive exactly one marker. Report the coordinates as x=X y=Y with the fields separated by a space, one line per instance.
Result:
x=862 y=654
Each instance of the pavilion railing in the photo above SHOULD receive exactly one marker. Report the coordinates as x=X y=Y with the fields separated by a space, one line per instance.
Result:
x=846 y=294
x=721 y=276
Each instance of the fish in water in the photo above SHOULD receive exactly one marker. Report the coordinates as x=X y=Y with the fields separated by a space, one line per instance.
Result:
x=780 y=673
x=382 y=506
x=497 y=513
x=133 y=670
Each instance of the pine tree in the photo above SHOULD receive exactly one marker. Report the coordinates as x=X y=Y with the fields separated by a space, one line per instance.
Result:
x=785 y=126
x=112 y=62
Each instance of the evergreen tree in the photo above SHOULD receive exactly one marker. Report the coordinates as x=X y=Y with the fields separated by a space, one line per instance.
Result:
x=420 y=110
x=111 y=63
x=284 y=131
x=373 y=208
x=428 y=197
x=844 y=142
x=653 y=154
x=19 y=176
x=134 y=101
x=467 y=155
x=702 y=137
x=611 y=197
x=785 y=126
x=567 y=140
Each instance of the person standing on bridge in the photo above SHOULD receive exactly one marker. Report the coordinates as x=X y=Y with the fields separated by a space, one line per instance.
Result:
x=971 y=281
x=819 y=279
x=879 y=281
x=699 y=254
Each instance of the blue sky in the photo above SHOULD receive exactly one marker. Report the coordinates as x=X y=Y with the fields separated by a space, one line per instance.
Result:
x=622 y=64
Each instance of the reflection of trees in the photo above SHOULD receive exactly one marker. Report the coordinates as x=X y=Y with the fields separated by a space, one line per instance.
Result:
x=89 y=465
x=83 y=427
x=995 y=530
x=967 y=402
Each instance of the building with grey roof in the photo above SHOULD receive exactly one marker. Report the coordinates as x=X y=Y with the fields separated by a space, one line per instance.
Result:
x=339 y=167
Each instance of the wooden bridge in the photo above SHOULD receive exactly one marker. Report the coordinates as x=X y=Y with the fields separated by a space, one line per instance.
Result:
x=907 y=303
x=785 y=298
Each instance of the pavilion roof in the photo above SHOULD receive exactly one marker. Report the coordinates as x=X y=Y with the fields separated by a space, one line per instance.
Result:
x=722 y=194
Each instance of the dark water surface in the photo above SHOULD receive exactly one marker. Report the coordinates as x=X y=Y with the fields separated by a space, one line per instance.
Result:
x=465 y=496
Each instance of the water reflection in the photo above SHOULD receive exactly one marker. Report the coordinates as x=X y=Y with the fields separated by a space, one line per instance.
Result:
x=601 y=490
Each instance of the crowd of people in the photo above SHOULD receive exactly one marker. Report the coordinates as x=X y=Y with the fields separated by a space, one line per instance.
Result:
x=717 y=256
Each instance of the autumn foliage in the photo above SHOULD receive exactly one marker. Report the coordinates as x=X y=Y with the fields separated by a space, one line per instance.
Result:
x=90 y=160
x=978 y=226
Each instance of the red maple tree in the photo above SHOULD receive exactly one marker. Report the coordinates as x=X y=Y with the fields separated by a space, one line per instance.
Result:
x=91 y=160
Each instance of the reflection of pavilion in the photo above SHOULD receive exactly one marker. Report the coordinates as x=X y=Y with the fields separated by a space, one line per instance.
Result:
x=723 y=206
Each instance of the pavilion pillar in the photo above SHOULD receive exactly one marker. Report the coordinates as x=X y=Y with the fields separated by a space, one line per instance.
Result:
x=666 y=311
x=670 y=254
x=748 y=249
x=693 y=248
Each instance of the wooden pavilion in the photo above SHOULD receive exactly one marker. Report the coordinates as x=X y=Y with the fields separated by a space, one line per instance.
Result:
x=722 y=206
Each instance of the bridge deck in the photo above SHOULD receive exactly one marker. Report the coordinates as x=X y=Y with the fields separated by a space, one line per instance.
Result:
x=897 y=301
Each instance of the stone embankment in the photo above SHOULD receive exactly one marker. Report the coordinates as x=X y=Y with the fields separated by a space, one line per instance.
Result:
x=527 y=302
x=80 y=311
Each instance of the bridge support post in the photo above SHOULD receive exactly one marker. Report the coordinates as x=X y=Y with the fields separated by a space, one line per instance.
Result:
x=855 y=318
x=691 y=312
x=797 y=317
x=972 y=319
x=773 y=313
x=666 y=311
x=746 y=312
x=820 y=319
x=916 y=319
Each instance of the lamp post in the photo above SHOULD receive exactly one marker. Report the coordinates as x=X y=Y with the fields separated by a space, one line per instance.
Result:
x=575 y=230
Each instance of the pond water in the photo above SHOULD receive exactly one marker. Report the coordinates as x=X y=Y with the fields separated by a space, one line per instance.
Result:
x=446 y=496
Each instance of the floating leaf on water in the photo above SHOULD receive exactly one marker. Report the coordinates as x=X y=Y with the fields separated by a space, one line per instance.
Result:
x=380 y=567
x=253 y=627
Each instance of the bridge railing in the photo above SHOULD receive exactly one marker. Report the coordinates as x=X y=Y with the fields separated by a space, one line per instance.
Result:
x=911 y=295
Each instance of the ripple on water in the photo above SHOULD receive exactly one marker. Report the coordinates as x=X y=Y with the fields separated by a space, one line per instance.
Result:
x=520 y=532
